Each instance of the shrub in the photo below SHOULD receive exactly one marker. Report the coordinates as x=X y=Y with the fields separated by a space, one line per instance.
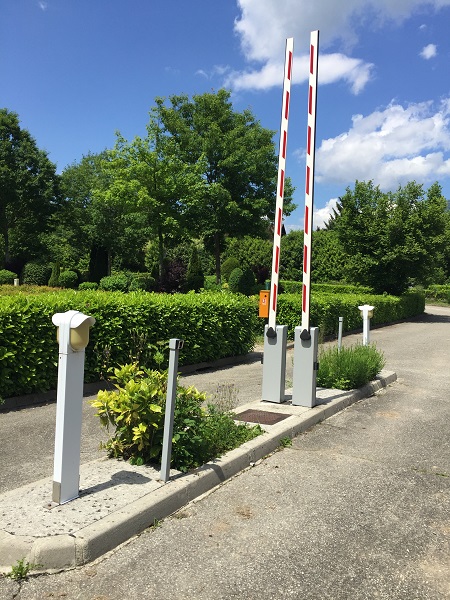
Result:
x=68 y=279
x=247 y=282
x=438 y=292
x=136 y=411
x=349 y=368
x=141 y=281
x=54 y=277
x=36 y=274
x=228 y=267
x=327 y=308
x=234 y=279
x=88 y=285
x=114 y=283
x=7 y=277
x=128 y=326
x=195 y=278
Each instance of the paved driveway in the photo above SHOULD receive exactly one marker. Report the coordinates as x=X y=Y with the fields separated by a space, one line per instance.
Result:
x=358 y=507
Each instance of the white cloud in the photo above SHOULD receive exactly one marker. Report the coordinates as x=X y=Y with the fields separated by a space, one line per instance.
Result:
x=429 y=51
x=43 y=5
x=390 y=146
x=321 y=215
x=264 y=25
x=333 y=67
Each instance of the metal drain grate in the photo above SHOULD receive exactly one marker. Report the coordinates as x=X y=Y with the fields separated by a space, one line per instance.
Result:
x=263 y=417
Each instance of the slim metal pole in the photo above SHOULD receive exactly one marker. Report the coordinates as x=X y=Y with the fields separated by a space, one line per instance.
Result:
x=341 y=321
x=175 y=346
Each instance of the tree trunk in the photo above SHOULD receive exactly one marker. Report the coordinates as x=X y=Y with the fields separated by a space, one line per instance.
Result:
x=160 y=253
x=217 y=255
x=4 y=231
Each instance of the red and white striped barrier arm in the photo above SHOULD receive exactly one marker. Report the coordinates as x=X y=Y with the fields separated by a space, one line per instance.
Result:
x=280 y=184
x=309 y=184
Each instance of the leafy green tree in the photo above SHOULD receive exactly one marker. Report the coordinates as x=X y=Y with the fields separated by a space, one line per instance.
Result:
x=291 y=255
x=238 y=162
x=252 y=252
x=390 y=239
x=328 y=258
x=147 y=188
x=29 y=193
x=76 y=239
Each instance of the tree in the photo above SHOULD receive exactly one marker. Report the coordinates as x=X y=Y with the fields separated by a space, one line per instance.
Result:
x=328 y=259
x=390 y=239
x=28 y=193
x=147 y=187
x=255 y=253
x=74 y=240
x=239 y=167
x=291 y=255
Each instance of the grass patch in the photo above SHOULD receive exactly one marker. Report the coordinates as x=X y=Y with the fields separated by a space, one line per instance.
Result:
x=350 y=367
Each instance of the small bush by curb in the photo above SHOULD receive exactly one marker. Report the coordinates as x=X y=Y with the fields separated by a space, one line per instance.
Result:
x=349 y=368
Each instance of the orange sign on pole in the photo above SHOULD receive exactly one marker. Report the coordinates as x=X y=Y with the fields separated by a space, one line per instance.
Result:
x=264 y=303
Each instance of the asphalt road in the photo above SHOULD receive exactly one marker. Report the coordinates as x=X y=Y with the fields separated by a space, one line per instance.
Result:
x=358 y=507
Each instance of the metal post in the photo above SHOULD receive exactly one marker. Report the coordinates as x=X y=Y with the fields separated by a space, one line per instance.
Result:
x=274 y=365
x=73 y=334
x=366 y=313
x=305 y=367
x=341 y=321
x=175 y=346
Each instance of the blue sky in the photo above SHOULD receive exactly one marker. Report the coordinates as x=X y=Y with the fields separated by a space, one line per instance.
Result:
x=78 y=70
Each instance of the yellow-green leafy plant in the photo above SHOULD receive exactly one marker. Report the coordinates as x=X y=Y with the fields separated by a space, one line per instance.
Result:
x=136 y=412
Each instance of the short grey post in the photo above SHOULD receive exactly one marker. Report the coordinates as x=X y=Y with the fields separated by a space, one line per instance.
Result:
x=73 y=336
x=274 y=365
x=175 y=346
x=306 y=346
x=341 y=321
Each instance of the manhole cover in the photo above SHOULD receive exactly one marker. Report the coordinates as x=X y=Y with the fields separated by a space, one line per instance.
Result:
x=263 y=417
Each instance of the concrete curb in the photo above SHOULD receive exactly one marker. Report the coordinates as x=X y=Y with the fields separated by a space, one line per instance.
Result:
x=65 y=551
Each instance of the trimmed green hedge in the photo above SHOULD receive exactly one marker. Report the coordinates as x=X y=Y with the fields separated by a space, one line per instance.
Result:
x=439 y=292
x=127 y=327
x=327 y=308
x=295 y=287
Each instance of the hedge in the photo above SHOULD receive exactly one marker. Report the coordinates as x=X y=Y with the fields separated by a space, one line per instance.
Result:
x=439 y=292
x=327 y=308
x=295 y=287
x=128 y=326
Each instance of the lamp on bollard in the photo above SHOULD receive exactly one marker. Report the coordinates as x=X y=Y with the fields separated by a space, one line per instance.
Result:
x=366 y=313
x=72 y=335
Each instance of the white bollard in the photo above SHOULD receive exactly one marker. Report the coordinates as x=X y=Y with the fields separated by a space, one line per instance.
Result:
x=73 y=337
x=366 y=313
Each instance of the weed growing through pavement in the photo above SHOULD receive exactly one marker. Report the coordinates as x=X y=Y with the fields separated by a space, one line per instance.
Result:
x=21 y=569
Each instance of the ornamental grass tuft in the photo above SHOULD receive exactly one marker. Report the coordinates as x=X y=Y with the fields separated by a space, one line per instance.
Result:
x=349 y=368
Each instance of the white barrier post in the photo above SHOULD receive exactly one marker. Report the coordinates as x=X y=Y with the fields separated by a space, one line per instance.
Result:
x=306 y=337
x=275 y=336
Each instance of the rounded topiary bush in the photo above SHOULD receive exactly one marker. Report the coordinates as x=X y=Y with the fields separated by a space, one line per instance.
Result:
x=88 y=285
x=247 y=282
x=54 y=277
x=228 y=267
x=114 y=283
x=36 y=274
x=68 y=279
x=142 y=281
x=235 y=279
x=7 y=277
